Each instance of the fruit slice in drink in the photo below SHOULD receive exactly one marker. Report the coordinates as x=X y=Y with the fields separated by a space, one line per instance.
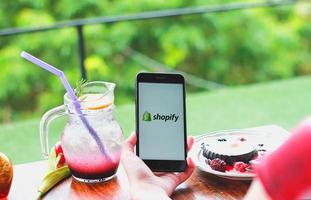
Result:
x=95 y=101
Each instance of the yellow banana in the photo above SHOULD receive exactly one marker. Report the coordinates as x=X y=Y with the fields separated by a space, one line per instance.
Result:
x=51 y=179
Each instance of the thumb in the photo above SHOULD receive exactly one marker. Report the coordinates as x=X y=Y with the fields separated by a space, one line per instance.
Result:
x=130 y=143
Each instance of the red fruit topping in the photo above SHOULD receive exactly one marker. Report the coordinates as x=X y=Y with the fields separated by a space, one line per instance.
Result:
x=229 y=167
x=240 y=166
x=218 y=165
x=59 y=150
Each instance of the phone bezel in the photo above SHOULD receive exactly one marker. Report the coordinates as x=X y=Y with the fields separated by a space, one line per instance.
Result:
x=162 y=165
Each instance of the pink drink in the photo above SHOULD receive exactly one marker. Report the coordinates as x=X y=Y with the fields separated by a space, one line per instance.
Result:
x=92 y=150
x=85 y=160
x=97 y=168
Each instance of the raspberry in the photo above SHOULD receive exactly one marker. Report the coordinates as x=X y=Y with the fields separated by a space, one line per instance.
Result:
x=240 y=166
x=218 y=165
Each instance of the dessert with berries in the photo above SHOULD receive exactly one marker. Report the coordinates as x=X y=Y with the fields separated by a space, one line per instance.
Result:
x=229 y=149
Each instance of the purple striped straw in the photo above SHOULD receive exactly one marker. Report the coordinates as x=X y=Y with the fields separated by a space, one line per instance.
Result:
x=72 y=95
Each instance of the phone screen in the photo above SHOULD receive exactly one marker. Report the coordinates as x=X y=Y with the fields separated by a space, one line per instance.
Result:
x=161 y=121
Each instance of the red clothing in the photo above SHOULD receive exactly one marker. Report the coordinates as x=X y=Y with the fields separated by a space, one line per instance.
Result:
x=286 y=173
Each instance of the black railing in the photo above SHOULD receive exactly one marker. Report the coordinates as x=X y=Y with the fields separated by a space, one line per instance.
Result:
x=80 y=23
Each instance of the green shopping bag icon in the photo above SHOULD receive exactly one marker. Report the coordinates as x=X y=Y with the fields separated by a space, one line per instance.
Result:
x=147 y=116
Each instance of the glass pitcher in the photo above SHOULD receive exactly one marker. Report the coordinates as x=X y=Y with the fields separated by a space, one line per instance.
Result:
x=82 y=153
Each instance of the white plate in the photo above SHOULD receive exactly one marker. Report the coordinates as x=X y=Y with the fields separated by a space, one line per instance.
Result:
x=271 y=136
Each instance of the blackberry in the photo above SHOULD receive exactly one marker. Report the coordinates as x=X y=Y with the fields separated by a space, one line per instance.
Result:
x=218 y=165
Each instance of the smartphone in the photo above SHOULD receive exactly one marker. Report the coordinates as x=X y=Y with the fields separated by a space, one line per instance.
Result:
x=161 y=121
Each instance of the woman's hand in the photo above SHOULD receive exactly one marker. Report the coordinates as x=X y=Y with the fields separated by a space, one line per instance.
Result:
x=144 y=184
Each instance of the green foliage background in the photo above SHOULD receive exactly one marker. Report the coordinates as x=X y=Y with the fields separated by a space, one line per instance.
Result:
x=236 y=47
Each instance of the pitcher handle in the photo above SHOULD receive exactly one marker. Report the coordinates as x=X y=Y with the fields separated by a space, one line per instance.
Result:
x=44 y=127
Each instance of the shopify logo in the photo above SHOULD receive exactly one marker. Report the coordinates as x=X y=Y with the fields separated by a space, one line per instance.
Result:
x=170 y=117
x=147 y=116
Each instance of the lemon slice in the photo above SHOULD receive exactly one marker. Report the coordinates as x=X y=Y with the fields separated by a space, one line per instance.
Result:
x=95 y=101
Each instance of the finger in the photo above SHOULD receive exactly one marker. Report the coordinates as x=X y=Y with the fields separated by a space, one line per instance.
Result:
x=130 y=142
x=159 y=173
x=132 y=139
x=190 y=141
x=190 y=162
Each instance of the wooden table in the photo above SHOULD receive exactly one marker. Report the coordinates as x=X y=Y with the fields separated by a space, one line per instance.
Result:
x=199 y=186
